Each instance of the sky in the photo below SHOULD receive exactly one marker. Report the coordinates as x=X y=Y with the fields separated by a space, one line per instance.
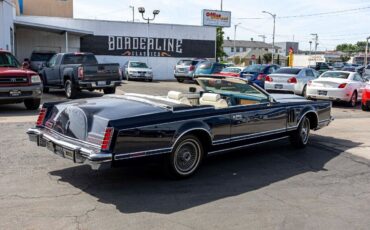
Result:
x=332 y=29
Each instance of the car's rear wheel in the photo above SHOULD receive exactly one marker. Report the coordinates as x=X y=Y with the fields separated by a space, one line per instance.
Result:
x=299 y=138
x=32 y=104
x=180 y=80
x=365 y=107
x=109 y=90
x=353 y=101
x=185 y=158
x=304 y=92
x=70 y=90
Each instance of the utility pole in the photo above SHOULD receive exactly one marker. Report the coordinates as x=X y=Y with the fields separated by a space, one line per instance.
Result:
x=366 y=51
x=133 y=13
x=221 y=4
x=273 y=35
x=309 y=57
x=235 y=26
x=316 y=38
x=263 y=37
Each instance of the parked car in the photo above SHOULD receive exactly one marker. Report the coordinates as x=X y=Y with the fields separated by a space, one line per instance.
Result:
x=338 y=65
x=231 y=71
x=231 y=113
x=77 y=71
x=367 y=71
x=365 y=101
x=290 y=80
x=205 y=68
x=337 y=86
x=38 y=59
x=137 y=70
x=17 y=84
x=184 y=69
x=258 y=72
x=321 y=67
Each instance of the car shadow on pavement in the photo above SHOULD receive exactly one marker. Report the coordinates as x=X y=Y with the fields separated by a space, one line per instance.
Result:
x=145 y=189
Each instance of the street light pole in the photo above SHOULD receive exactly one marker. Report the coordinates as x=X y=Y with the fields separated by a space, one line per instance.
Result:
x=366 y=51
x=155 y=12
x=273 y=35
x=133 y=13
x=309 y=54
x=235 y=26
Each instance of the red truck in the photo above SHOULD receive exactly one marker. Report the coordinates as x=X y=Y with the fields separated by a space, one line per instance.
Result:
x=17 y=83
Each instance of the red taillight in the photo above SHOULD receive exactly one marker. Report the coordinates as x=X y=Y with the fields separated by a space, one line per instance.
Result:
x=268 y=78
x=41 y=118
x=107 y=138
x=343 y=85
x=292 y=80
x=192 y=68
x=260 y=77
x=80 y=72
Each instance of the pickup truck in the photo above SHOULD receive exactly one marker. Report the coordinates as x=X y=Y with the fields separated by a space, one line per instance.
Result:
x=17 y=83
x=77 y=71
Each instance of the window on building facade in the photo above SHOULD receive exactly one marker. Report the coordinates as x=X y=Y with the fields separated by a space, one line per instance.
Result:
x=244 y=49
x=237 y=49
x=232 y=49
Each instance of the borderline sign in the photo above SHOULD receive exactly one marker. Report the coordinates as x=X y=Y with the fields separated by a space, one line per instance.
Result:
x=137 y=46
x=216 y=18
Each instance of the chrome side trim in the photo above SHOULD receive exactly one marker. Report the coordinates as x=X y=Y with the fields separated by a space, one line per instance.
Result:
x=189 y=130
x=244 y=146
x=296 y=126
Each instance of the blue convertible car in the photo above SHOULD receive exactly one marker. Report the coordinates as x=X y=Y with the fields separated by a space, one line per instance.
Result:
x=183 y=128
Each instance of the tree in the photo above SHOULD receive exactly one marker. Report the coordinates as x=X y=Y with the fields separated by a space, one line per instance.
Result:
x=219 y=44
x=350 y=48
x=278 y=59
x=259 y=60
x=344 y=58
x=267 y=57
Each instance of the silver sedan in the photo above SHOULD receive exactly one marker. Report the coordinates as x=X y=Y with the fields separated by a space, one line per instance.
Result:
x=290 y=79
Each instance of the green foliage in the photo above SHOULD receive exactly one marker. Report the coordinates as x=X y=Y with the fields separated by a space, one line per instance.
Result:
x=351 y=48
x=344 y=58
x=267 y=57
x=219 y=44
x=243 y=61
x=259 y=60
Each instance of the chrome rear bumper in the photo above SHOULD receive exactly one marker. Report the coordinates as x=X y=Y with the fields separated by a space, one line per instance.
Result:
x=77 y=154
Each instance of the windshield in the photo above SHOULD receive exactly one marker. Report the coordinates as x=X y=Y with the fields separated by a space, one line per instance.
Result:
x=205 y=65
x=341 y=75
x=8 y=60
x=233 y=87
x=253 y=68
x=288 y=70
x=44 y=57
x=138 y=65
x=79 y=59
x=231 y=70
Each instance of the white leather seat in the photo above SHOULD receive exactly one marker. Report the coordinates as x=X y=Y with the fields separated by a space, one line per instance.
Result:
x=213 y=99
x=178 y=96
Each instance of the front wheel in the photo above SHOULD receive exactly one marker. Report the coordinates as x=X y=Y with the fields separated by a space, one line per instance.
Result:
x=109 y=91
x=299 y=138
x=70 y=90
x=32 y=104
x=185 y=158
x=180 y=80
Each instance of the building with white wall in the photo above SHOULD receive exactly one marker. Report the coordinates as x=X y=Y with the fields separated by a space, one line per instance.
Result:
x=7 y=14
x=111 y=41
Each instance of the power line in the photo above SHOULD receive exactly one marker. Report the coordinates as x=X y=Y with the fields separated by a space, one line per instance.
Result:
x=326 y=13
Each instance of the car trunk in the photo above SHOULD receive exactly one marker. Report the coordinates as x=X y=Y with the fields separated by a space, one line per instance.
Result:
x=328 y=82
x=281 y=78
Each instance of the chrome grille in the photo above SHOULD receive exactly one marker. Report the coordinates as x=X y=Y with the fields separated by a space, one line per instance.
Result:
x=13 y=80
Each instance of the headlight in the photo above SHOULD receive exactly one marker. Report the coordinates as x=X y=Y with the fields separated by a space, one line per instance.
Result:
x=131 y=72
x=35 y=79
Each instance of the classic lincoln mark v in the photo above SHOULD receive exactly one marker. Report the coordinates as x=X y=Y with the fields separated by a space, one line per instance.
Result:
x=183 y=128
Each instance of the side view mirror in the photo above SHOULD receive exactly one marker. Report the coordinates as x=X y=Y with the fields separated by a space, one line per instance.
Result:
x=25 y=65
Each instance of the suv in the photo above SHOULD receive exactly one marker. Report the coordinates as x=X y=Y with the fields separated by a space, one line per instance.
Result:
x=17 y=84
x=321 y=67
x=39 y=58
x=184 y=69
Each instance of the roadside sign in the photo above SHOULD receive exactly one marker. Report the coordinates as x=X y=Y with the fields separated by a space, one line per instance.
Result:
x=216 y=18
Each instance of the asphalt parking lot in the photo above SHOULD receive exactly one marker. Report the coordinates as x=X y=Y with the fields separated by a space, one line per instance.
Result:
x=274 y=186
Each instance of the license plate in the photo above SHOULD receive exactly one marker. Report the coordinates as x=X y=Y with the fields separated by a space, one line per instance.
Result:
x=180 y=70
x=278 y=86
x=102 y=82
x=15 y=93
x=322 y=92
